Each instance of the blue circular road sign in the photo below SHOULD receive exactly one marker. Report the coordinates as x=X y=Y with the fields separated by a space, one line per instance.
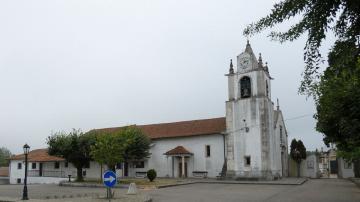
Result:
x=109 y=178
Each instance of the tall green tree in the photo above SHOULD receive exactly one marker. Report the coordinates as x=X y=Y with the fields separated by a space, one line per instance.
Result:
x=137 y=144
x=108 y=148
x=5 y=154
x=338 y=103
x=297 y=153
x=127 y=144
x=316 y=18
x=74 y=147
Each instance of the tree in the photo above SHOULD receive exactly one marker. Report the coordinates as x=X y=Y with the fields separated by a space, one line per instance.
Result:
x=137 y=144
x=337 y=103
x=336 y=91
x=74 y=147
x=108 y=149
x=127 y=144
x=297 y=153
x=342 y=17
x=5 y=154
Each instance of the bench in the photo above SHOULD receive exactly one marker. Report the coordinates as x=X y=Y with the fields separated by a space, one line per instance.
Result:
x=202 y=174
x=140 y=174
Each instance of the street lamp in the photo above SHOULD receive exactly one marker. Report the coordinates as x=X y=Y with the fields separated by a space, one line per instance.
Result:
x=25 y=191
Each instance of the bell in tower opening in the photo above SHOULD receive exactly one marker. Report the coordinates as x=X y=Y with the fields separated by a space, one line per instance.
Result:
x=245 y=87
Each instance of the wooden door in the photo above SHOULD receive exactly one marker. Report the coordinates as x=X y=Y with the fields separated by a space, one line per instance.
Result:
x=40 y=169
x=180 y=169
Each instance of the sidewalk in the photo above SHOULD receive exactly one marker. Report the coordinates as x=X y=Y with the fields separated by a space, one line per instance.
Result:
x=124 y=198
x=284 y=181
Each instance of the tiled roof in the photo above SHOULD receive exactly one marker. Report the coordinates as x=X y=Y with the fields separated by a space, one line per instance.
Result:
x=180 y=129
x=38 y=155
x=178 y=151
x=4 y=171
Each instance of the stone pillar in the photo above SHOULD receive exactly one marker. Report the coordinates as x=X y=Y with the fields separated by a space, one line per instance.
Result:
x=183 y=166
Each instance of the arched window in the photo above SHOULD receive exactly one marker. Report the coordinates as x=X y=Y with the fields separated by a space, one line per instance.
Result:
x=245 y=87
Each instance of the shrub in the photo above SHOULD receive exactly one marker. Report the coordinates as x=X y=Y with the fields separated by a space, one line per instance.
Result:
x=151 y=174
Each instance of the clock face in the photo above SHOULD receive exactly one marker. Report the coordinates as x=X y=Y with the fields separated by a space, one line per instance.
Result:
x=244 y=62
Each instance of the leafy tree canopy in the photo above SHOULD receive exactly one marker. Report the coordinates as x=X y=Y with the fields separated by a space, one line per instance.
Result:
x=127 y=144
x=338 y=100
x=342 y=17
x=297 y=150
x=74 y=147
x=137 y=144
x=108 y=149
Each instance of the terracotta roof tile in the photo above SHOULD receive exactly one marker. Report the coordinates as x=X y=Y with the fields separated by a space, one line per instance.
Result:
x=178 y=151
x=180 y=129
x=4 y=171
x=38 y=155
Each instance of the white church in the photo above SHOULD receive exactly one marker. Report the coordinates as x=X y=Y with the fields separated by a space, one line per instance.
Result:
x=249 y=142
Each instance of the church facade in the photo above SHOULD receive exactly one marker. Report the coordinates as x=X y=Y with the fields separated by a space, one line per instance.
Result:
x=249 y=142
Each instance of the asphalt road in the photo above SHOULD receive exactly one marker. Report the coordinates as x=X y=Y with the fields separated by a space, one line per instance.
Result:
x=327 y=190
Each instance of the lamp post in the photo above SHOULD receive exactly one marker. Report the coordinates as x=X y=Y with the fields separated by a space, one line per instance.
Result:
x=25 y=191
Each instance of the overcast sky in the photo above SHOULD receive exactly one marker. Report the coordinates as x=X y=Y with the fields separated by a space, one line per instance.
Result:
x=92 y=64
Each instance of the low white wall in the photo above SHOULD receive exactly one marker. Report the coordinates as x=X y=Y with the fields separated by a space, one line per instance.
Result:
x=345 y=172
x=308 y=168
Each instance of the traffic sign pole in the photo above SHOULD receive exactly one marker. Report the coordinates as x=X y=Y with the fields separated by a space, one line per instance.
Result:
x=109 y=180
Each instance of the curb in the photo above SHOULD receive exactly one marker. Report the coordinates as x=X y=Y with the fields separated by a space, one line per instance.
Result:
x=252 y=183
x=174 y=185
x=91 y=185
x=187 y=183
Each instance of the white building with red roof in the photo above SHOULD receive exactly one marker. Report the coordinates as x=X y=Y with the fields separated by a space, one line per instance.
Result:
x=249 y=142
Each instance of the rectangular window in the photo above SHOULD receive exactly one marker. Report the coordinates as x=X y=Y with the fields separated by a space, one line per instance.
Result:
x=19 y=166
x=247 y=161
x=207 y=151
x=18 y=180
x=66 y=164
x=33 y=165
x=57 y=165
x=84 y=173
x=140 y=164
x=347 y=165
x=119 y=166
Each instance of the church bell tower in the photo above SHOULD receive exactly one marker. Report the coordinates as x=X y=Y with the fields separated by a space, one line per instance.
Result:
x=249 y=119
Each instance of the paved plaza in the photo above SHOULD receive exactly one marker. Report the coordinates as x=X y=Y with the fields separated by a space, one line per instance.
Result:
x=313 y=190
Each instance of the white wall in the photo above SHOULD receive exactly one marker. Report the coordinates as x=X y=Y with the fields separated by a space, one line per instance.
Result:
x=345 y=172
x=93 y=172
x=198 y=162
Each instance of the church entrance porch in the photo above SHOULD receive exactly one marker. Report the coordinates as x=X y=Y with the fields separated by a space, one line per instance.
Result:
x=181 y=155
